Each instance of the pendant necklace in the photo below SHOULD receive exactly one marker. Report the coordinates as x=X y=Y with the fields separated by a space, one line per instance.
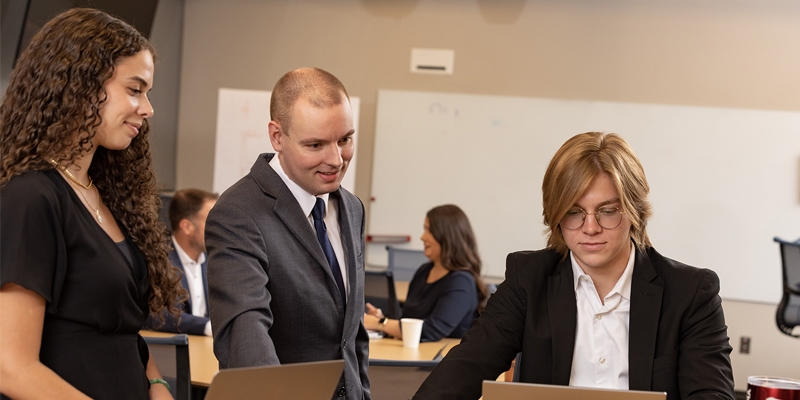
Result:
x=87 y=187
x=96 y=210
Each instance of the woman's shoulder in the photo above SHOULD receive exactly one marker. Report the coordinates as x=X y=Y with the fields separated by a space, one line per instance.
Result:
x=422 y=271
x=461 y=276
x=33 y=196
x=458 y=279
x=31 y=185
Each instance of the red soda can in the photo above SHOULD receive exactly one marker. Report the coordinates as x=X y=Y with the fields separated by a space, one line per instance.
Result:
x=772 y=388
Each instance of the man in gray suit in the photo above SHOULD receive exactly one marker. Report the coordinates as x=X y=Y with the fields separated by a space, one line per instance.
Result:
x=279 y=292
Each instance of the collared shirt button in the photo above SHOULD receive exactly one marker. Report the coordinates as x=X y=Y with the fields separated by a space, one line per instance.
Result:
x=598 y=317
x=344 y=343
x=342 y=392
x=602 y=360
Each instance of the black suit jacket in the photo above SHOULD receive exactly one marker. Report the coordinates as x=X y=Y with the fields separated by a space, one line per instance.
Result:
x=273 y=297
x=678 y=340
x=189 y=323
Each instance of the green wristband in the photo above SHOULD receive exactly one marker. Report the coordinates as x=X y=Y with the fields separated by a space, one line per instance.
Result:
x=161 y=381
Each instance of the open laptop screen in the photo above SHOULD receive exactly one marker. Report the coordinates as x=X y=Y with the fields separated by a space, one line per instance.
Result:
x=311 y=380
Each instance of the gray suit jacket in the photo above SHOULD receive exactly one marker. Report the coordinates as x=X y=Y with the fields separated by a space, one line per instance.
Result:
x=273 y=298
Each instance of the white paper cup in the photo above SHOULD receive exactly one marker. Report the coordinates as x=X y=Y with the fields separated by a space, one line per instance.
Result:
x=412 y=329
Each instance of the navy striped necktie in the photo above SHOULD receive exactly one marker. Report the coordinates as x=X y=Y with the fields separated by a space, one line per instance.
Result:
x=318 y=214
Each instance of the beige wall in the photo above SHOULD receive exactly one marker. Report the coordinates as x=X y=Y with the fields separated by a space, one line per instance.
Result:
x=738 y=53
x=771 y=352
x=728 y=53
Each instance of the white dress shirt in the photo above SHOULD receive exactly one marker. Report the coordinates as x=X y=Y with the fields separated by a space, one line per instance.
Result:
x=194 y=277
x=600 y=357
x=307 y=202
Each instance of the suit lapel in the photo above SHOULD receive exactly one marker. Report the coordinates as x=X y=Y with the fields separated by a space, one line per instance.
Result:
x=563 y=311
x=645 y=314
x=346 y=232
x=289 y=211
x=204 y=269
x=287 y=208
x=350 y=231
x=176 y=261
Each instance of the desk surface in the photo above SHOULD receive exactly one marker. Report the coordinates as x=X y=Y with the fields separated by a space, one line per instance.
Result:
x=204 y=364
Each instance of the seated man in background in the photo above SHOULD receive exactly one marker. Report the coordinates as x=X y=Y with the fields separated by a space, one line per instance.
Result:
x=187 y=216
x=599 y=307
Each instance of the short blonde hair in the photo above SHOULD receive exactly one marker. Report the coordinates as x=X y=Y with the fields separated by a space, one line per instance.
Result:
x=579 y=160
x=318 y=86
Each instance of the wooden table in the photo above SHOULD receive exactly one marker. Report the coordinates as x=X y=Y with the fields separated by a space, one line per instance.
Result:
x=392 y=349
x=204 y=364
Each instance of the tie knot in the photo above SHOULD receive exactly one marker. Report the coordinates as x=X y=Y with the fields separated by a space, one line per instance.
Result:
x=318 y=213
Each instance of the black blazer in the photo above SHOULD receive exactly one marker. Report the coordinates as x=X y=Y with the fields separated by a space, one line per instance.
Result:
x=678 y=340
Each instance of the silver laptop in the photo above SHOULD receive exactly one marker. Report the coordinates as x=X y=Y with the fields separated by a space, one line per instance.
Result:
x=493 y=390
x=311 y=380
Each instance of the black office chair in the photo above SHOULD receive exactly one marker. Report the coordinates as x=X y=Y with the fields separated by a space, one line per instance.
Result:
x=397 y=379
x=171 y=355
x=788 y=314
x=405 y=262
x=380 y=292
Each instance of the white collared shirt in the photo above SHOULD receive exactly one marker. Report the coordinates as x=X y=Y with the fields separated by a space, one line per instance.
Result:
x=307 y=202
x=194 y=277
x=600 y=357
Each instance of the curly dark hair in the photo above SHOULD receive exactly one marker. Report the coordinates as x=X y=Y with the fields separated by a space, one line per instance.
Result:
x=51 y=110
x=451 y=228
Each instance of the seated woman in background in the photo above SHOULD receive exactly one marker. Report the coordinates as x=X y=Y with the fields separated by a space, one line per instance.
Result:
x=447 y=292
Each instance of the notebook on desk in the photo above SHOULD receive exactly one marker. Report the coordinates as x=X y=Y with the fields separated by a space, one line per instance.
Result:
x=311 y=380
x=493 y=390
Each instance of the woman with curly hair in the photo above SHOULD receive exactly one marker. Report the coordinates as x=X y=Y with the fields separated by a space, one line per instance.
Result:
x=84 y=256
x=447 y=292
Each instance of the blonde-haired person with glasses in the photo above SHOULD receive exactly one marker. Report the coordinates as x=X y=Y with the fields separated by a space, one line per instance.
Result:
x=599 y=307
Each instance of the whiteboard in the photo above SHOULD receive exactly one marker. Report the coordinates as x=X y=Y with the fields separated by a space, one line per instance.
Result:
x=242 y=134
x=723 y=181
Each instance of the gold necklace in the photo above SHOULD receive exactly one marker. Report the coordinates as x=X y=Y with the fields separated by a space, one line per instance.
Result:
x=87 y=187
x=72 y=177
x=96 y=210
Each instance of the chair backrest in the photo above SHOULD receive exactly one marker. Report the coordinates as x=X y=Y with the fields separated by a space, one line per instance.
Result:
x=397 y=379
x=171 y=355
x=405 y=262
x=788 y=314
x=380 y=292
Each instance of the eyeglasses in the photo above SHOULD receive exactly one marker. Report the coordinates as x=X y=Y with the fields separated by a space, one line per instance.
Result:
x=607 y=217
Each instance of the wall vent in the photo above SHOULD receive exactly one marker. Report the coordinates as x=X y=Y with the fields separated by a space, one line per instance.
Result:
x=432 y=61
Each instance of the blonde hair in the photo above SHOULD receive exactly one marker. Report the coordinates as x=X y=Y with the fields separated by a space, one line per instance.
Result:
x=579 y=160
